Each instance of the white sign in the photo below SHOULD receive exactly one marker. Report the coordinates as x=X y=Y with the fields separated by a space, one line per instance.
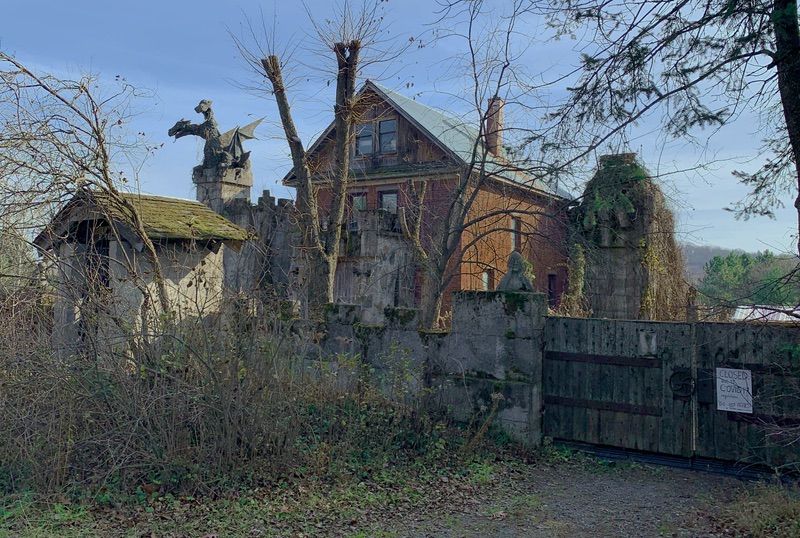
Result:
x=734 y=390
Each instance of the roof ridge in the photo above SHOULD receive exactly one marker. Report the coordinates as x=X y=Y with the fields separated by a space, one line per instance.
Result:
x=432 y=108
x=160 y=197
x=129 y=194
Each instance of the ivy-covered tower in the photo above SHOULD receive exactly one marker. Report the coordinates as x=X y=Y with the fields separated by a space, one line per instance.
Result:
x=633 y=265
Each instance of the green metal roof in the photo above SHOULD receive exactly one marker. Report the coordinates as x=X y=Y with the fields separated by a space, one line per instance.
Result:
x=458 y=138
x=163 y=217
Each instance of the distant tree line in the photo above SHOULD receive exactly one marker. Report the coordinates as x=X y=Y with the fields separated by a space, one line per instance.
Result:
x=741 y=278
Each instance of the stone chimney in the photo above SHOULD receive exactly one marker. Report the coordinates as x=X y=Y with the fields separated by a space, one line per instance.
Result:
x=494 y=126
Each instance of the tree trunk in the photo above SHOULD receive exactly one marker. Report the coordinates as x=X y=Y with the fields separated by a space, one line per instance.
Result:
x=787 y=61
x=347 y=63
x=430 y=300
x=319 y=275
x=308 y=213
x=321 y=248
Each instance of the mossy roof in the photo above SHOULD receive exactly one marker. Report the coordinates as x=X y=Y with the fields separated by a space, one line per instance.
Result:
x=163 y=217
x=175 y=218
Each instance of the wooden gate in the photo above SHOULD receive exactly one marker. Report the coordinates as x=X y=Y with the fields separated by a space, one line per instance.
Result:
x=769 y=432
x=619 y=383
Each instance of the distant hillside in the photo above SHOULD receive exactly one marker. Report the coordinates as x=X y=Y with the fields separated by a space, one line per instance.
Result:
x=696 y=257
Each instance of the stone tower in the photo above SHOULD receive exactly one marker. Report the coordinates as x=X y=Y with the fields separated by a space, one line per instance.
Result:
x=634 y=267
x=217 y=187
x=224 y=175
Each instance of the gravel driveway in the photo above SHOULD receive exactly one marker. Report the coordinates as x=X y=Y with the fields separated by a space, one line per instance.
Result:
x=598 y=499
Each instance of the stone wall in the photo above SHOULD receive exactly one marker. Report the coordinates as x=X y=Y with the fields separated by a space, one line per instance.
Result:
x=266 y=262
x=493 y=349
x=193 y=278
x=376 y=267
x=637 y=385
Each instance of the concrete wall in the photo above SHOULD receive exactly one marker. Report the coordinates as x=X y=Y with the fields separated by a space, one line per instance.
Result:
x=193 y=275
x=263 y=264
x=376 y=269
x=493 y=348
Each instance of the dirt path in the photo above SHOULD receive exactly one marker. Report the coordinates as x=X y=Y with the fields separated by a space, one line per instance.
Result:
x=591 y=500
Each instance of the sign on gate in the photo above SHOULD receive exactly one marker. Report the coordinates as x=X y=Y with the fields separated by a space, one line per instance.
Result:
x=734 y=390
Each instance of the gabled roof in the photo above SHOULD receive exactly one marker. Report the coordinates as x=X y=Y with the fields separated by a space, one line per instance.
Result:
x=450 y=133
x=163 y=217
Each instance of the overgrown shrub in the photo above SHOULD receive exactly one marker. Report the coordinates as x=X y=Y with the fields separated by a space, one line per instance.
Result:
x=203 y=405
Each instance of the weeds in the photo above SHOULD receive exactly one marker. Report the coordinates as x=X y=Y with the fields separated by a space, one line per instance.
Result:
x=767 y=511
x=189 y=414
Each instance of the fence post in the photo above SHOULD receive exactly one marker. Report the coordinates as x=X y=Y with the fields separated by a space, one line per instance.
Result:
x=496 y=348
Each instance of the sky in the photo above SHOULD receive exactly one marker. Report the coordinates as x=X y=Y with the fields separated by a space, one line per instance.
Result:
x=182 y=51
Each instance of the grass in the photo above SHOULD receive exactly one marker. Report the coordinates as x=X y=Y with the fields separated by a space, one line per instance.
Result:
x=767 y=511
x=460 y=495
x=310 y=506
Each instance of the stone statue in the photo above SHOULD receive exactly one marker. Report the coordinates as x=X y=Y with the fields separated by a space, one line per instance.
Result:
x=517 y=277
x=221 y=151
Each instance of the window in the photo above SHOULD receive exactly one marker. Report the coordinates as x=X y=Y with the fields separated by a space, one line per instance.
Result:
x=364 y=139
x=387 y=136
x=487 y=280
x=358 y=201
x=552 y=290
x=516 y=233
x=388 y=201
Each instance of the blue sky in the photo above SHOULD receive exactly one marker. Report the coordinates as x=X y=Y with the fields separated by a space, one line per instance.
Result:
x=182 y=51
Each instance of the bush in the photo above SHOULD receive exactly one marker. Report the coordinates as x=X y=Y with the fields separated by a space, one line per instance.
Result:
x=188 y=411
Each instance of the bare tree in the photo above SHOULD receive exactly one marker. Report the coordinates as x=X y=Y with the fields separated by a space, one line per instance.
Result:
x=351 y=31
x=504 y=181
x=59 y=137
x=696 y=64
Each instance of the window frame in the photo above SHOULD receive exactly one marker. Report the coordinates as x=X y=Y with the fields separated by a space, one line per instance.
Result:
x=352 y=198
x=381 y=135
x=552 y=290
x=516 y=234
x=396 y=194
x=359 y=136
x=487 y=279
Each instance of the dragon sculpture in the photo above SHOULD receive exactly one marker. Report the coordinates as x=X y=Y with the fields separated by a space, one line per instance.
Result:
x=222 y=151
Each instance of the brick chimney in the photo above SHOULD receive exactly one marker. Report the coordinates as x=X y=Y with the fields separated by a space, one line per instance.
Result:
x=494 y=126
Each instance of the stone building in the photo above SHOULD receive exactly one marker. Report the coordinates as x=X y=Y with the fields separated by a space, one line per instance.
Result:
x=102 y=275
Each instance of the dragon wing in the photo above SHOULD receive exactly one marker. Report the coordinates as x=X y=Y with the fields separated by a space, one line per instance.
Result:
x=249 y=131
x=244 y=133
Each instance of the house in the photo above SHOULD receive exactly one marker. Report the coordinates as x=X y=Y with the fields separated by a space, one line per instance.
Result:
x=399 y=142
x=103 y=276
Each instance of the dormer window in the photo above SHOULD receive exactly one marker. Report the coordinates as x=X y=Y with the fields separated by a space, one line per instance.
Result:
x=379 y=137
x=364 y=139
x=387 y=136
